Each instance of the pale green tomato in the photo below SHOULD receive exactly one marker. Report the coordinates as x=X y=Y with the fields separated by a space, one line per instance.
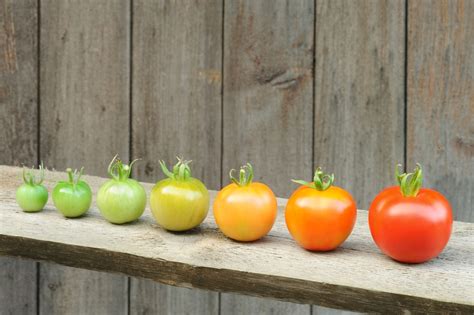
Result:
x=32 y=195
x=180 y=202
x=31 y=198
x=72 y=198
x=121 y=199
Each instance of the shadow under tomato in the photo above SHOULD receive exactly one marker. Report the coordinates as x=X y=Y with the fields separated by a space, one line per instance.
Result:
x=194 y=231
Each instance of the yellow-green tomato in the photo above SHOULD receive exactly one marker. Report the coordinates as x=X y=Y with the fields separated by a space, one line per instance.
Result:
x=121 y=199
x=72 y=198
x=179 y=202
x=32 y=196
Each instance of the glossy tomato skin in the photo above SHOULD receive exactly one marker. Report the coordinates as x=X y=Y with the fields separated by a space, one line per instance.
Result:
x=179 y=205
x=320 y=220
x=121 y=201
x=245 y=213
x=410 y=229
x=31 y=198
x=72 y=200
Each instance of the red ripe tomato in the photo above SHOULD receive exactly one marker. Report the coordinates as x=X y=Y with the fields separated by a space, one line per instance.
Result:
x=320 y=216
x=409 y=223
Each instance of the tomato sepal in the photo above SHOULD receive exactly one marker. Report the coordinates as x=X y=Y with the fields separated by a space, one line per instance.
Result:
x=321 y=181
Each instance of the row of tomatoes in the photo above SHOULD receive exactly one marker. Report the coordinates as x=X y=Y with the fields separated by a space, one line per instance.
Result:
x=408 y=223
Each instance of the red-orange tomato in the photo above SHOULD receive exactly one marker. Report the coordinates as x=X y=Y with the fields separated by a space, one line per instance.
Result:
x=245 y=213
x=410 y=229
x=320 y=220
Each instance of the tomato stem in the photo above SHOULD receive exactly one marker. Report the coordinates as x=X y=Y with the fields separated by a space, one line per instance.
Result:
x=181 y=170
x=119 y=171
x=410 y=183
x=30 y=178
x=245 y=175
x=321 y=180
x=74 y=177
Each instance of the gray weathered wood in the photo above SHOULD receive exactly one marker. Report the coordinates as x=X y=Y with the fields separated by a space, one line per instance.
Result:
x=237 y=304
x=149 y=297
x=440 y=132
x=18 y=132
x=268 y=61
x=356 y=276
x=176 y=111
x=84 y=122
x=268 y=78
x=359 y=89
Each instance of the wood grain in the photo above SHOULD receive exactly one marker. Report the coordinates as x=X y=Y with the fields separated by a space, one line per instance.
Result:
x=84 y=122
x=354 y=277
x=359 y=86
x=268 y=72
x=440 y=133
x=18 y=82
x=18 y=132
x=176 y=111
x=268 y=62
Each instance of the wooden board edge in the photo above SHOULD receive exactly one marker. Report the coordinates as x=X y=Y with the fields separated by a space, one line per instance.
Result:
x=224 y=280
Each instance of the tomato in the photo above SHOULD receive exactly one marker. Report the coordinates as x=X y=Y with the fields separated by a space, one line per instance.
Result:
x=32 y=196
x=179 y=202
x=72 y=198
x=121 y=199
x=245 y=210
x=320 y=216
x=409 y=223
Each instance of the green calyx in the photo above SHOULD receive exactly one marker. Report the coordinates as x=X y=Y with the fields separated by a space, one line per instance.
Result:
x=410 y=183
x=245 y=175
x=321 y=180
x=30 y=178
x=181 y=170
x=119 y=171
x=74 y=177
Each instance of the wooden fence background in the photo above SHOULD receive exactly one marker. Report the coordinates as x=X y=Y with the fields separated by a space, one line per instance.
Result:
x=354 y=86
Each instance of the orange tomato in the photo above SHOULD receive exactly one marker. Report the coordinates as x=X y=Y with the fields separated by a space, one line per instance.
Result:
x=320 y=216
x=245 y=211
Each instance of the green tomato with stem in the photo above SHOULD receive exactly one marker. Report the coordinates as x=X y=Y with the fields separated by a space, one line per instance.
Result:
x=179 y=202
x=32 y=196
x=121 y=199
x=73 y=197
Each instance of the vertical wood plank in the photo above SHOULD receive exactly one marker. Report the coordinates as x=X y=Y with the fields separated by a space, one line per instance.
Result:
x=268 y=61
x=84 y=61
x=177 y=53
x=18 y=132
x=441 y=98
x=268 y=87
x=359 y=84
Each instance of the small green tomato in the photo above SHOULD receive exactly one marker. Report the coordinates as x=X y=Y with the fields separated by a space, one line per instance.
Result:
x=179 y=202
x=121 y=199
x=72 y=198
x=31 y=196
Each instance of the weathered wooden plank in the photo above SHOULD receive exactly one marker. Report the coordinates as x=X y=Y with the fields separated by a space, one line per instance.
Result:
x=84 y=122
x=356 y=276
x=149 y=297
x=440 y=132
x=359 y=89
x=268 y=62
x=18 y=82
x=18 y=132
x=235 y=304
x=176 y=111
